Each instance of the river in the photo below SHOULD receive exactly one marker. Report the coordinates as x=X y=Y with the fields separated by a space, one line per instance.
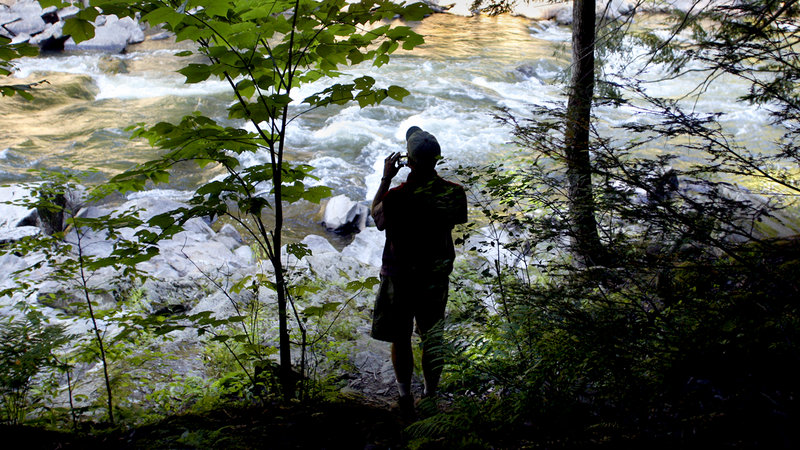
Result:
x=466 y=69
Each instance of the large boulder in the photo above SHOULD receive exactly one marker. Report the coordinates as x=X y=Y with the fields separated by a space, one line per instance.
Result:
x=318 y=244
x=367 y=247
x=197 y=251
x=111 y=34
x=16 y=221
x=26 y=21
x=230 y=236
x=345 y=216
x=23 y=18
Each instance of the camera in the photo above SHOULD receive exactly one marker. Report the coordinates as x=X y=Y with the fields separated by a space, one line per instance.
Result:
x=403 y=161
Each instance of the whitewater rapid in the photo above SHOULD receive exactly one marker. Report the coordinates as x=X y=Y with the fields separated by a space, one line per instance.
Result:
x=466 y=70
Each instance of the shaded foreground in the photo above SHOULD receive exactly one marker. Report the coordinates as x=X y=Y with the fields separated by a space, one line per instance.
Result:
x=346 y=424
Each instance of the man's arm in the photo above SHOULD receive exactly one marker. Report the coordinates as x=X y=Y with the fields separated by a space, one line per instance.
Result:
x=390 y=169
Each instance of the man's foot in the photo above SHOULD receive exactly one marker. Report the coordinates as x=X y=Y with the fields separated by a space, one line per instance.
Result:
x=406 y=406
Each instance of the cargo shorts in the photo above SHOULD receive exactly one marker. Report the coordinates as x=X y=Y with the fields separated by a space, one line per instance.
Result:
x=403 y=299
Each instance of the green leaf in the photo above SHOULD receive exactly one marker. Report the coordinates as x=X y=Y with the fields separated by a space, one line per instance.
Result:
x=57 y=3
x=331 y=306
x=397 y=93
x=381 y=60
x=246 y=88
x=416 y=11
x=88 y=14
x=312 y=311
x=364 y=82
x=195 y=73
x=317 y=193
x=162 y=221
x=165 y=15
x=412 y=40
x=298 y=250
x=371 y=282
x=79 y=29
x=241 y=284
x=293 y=192
x=27 y=50
x=217 y=8
x=355 y=56
x=192 y=33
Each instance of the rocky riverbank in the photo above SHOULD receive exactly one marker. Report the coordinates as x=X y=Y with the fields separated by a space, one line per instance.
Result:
x=27 y=21
x=192 y=273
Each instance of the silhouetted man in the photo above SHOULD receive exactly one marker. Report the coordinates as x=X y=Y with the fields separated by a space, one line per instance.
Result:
x=418 y=217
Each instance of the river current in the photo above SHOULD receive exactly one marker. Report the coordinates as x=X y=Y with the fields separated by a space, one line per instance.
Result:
x=466 y=69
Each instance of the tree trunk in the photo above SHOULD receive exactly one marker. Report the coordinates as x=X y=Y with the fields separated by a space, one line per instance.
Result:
x=284 y=342
x=585 y=239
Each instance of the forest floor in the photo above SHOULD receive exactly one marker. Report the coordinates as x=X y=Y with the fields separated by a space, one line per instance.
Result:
x=347 y=424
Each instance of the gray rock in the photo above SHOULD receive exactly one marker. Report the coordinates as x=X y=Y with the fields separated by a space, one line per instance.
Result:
x=9 y=263
x=12 y=216
x=196 y=229
x=68 y=12
x=374 y=375
x=228 y=242
x=230 y=237
x=23 y=17
x=318 y=244
x=492 y=245
x=564 y=16
x=148 y=206
x=112 y=65
x=52 y=32
x=159 y=269
x=367 y=247
x=93 y=212
x=19 y=233
x=111 y=34
x=329 y=267
x=230 y=231
x=171 y=291
x=71 y=298
x=16 y=221
x=161 y=36
x=91 y=243
x=220 y=305
x=244 y=254
x=345 y=216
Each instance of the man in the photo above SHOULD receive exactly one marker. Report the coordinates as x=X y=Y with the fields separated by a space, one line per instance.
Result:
x=418 y=217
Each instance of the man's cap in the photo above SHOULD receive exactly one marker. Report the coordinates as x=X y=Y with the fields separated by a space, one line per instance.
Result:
x=422 y=146
x=411 y=131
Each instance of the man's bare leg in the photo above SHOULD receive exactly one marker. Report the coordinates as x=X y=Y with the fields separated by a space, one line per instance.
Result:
x=431 y=371
x=403 y=363
x=432 y=362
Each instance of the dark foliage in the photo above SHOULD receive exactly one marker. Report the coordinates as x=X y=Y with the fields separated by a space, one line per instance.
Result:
x=327 y=425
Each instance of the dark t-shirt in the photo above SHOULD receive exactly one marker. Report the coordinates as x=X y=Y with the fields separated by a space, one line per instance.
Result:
x=418 y=217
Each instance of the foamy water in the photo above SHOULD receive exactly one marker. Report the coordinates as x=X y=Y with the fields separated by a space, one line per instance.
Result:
x=122 y=86
x=467 y=69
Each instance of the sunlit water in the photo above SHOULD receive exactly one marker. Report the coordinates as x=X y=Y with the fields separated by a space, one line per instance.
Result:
x=467 y=68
